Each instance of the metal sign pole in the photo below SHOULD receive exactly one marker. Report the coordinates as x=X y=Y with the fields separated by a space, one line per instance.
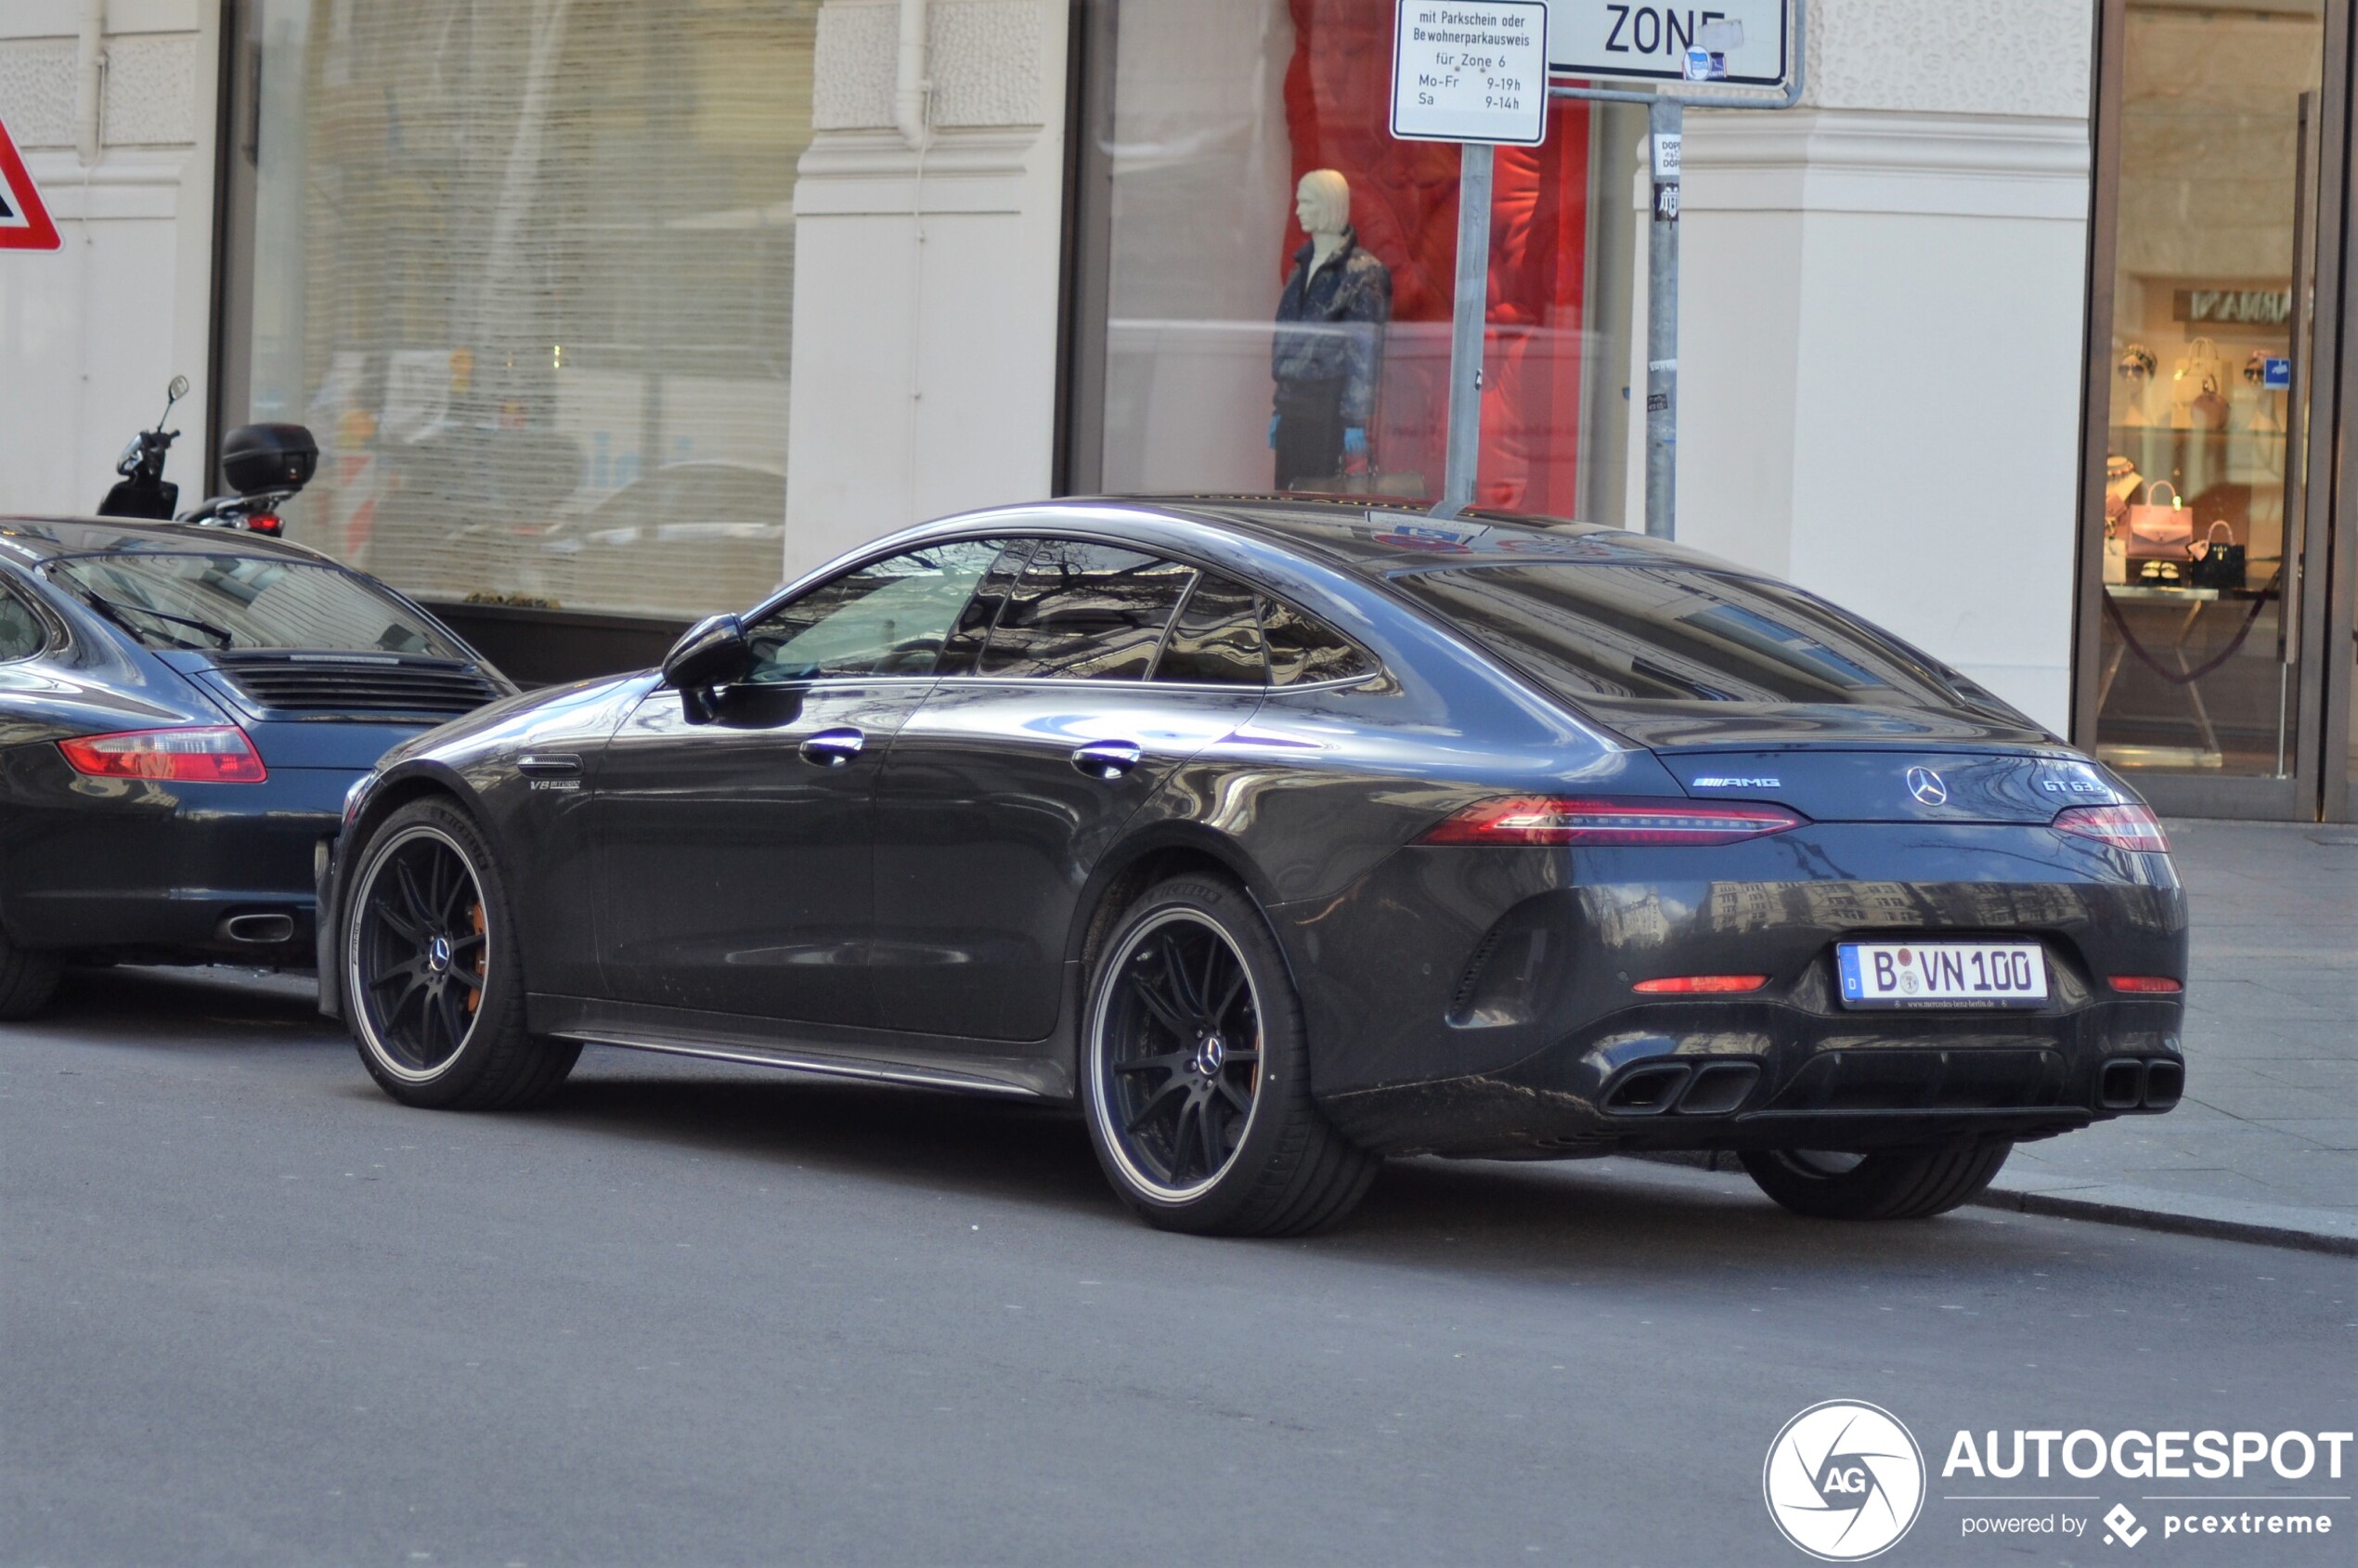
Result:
x=1666 y=119
x=1465 y=324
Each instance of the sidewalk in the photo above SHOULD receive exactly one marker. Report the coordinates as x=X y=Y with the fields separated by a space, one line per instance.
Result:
x=2267 y=1136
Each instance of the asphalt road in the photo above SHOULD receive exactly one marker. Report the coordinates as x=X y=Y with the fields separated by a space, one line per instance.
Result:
x=252 y=1312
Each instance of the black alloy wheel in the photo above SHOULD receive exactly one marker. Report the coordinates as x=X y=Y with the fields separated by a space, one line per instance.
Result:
x=1196 y=1089
x=1906 y=1184
x=423 y=948
x=1183 y=1046
x=433 y=991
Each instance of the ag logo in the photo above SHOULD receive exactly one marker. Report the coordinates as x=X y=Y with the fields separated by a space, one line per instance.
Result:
x=1843 y=1481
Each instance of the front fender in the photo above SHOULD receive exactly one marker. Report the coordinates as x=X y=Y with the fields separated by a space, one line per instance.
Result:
x=371 y=800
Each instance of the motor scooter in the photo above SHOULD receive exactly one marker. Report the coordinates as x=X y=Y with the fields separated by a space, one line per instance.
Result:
x=143 y=491
x=265 y=465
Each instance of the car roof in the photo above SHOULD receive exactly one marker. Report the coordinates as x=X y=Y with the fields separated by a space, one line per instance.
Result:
x=29 y=540
x=1380 y=538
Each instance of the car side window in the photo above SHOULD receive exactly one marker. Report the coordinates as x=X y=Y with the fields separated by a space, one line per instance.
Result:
x=965 y=648
x=21 y=633
x=1216 y=640
x=1304 y=649
x=1086 y=612
x=888 y=618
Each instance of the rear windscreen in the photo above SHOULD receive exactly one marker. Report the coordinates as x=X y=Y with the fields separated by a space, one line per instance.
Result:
x=217 y=601
x=1667 y=634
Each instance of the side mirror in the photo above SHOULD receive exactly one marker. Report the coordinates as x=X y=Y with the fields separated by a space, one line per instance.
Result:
x=713 y=652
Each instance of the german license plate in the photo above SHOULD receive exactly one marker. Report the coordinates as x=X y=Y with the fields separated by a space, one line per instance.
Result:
x=1942 y=974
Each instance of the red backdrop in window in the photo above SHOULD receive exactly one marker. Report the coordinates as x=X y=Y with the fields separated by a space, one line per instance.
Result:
x=1404 y=203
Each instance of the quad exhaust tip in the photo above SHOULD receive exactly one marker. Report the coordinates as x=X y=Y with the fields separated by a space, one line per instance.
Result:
x=2138 y=1083
x=259 y=930
x=1700 y=1089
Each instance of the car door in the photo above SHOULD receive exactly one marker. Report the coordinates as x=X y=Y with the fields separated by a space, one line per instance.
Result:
x=1042 y=738
x=737 y=838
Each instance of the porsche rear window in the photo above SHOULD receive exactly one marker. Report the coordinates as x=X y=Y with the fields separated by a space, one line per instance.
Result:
x=216 y=602
x=1679 y=635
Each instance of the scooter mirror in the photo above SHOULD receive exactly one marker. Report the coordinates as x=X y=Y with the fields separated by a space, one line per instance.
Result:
x=178 y=389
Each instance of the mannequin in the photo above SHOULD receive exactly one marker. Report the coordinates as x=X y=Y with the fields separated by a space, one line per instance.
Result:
x=1327 y=353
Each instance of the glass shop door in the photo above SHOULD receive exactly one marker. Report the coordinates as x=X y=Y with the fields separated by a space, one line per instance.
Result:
x=2221 y=174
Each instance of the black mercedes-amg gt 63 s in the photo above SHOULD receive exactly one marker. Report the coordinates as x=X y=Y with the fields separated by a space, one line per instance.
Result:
x=182 y=711
x=1280 y=835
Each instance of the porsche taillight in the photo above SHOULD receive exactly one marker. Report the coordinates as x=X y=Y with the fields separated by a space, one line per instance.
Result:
x=1584 y=821
x=206 y=753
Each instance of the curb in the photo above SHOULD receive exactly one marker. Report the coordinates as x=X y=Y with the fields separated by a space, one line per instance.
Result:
x=2258 y=1232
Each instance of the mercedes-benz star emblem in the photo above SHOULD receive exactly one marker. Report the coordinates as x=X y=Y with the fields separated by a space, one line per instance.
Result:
x=1926 y=786
x=438 y=954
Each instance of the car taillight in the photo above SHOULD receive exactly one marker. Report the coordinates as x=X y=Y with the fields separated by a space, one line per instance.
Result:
x=1701 y=985
x=211 y=754
x=1583 y=822
x=2147 y=985
x=2123 y=827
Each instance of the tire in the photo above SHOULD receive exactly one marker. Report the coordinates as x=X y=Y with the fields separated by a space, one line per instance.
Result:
x=434 y=985
x=1197 y=1132
x=1914 y=1184
x=28 y=981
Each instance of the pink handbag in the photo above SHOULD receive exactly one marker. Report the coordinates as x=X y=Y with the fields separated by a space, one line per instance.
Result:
x=2158 y=529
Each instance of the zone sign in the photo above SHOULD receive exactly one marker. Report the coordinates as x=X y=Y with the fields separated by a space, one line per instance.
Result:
x=1646 y=41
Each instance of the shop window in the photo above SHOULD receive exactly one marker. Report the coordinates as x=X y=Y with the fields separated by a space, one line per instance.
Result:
x=526 y=270
x=1281 y=269
x=2213 y=263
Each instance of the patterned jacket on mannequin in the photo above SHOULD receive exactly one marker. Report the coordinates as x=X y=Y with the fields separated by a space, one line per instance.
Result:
x=1330 y=325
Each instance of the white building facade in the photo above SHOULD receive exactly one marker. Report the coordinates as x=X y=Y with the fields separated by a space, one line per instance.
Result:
x=607 y=312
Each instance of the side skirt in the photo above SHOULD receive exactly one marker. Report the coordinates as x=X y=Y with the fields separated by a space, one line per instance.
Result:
x=873 y=1055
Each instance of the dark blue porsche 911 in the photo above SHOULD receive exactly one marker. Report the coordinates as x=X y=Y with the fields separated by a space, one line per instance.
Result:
x=1278 y=836
x=182 y=711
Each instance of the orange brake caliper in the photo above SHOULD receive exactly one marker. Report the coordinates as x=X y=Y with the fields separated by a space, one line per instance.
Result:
x=483 y=956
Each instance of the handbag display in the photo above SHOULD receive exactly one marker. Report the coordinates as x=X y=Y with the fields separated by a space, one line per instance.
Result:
x=2155 y=529
x=2209 y=408
x=2215 y=562
x=2200 y=363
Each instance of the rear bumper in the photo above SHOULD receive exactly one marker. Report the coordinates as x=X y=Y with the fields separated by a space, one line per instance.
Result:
x=1762 y=1075
x=177 y=872
x=264 y=925
x=1481 y=1001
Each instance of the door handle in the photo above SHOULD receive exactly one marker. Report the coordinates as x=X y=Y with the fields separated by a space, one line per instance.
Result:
x=832 y=748
x=1107 y=759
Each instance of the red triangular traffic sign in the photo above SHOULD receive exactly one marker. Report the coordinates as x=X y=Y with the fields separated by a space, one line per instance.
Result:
x=24 y=222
